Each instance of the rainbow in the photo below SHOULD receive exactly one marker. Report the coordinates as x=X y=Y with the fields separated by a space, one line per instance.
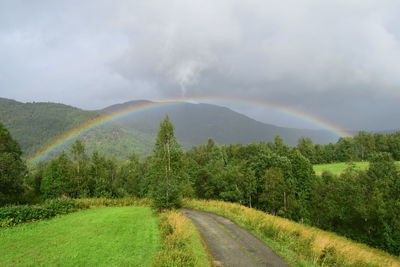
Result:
x=101 y=120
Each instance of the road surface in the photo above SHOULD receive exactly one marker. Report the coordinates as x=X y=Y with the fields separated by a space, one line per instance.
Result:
x=231 y=245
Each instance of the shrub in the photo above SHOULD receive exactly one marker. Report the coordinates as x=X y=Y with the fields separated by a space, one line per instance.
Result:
x=13 y=215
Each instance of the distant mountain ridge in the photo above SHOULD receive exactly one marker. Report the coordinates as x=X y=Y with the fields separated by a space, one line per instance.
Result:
x=34 y=125
x=195 y=123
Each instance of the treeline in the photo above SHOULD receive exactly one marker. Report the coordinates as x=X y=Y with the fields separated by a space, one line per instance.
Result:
x=273 y=177
x=361 y=147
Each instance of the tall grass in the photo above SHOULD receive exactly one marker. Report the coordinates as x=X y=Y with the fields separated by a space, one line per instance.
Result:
x=182 y=245
x=299 y=244
x=114 y=202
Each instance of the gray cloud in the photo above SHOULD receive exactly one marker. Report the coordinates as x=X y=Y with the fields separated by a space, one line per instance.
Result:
x=336 y=60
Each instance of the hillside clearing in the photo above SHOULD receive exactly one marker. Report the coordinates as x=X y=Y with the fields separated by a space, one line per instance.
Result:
x=338 y=168
x=118 y=236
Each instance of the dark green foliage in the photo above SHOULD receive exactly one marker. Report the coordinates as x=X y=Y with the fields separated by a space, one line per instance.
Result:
x=358 y=148
x=127 y=181
x=275 y=194
x=12 y=168
x=363 y=206
x=13 y=215
x=58 y=178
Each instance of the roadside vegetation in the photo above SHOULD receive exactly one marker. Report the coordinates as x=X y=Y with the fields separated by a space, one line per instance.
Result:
x=182 y=245
x=118 y=236
x=299 y=244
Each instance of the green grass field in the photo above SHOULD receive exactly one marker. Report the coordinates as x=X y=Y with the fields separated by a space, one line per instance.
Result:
x=119 y=236
x=338 y=168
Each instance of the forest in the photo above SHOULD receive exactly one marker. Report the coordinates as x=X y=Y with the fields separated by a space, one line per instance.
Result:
x=269 y=176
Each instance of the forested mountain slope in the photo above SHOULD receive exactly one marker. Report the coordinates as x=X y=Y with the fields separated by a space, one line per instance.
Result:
x=34 y=125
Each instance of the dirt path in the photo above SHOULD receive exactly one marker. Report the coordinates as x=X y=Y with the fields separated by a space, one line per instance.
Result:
x=231 y=245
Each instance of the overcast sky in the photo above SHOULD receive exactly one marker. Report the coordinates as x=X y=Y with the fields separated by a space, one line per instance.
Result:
x=337 y=60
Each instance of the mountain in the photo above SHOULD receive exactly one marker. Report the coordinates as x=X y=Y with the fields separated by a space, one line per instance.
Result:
x=34 y=125
x=195 y=123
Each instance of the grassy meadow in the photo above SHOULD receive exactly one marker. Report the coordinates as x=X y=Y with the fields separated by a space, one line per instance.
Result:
x=118 y=236
x=338 y=168
x=299 y=244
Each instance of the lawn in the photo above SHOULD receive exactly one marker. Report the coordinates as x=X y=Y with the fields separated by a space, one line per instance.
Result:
x=338 y=168
x=119 y=236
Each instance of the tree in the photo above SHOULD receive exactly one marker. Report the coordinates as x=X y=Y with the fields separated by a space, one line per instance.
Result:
x=275 y=194
x=306 y=148
x=128 y=178
x=80 y=179
x=366 y=142
x=102 y=172
x=346 y=149
x=166 y=168
x=302 y=184
x=57 y=178
x=12 y=168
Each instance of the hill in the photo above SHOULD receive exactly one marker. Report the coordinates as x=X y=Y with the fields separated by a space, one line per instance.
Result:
x=34 y=125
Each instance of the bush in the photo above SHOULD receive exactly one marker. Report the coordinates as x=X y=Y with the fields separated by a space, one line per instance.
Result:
x=61 y=206
x=13 y=215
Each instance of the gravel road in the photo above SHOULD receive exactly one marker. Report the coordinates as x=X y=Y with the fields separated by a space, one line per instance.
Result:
x=231 y=245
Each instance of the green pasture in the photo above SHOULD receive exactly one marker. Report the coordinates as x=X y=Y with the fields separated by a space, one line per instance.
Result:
x=338 y=168
x=118 y=236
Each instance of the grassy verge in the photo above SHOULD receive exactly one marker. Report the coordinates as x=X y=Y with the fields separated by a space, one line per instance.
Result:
x=338 y=168
x=124 y=236
x=182 y=245
x=298 y=244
